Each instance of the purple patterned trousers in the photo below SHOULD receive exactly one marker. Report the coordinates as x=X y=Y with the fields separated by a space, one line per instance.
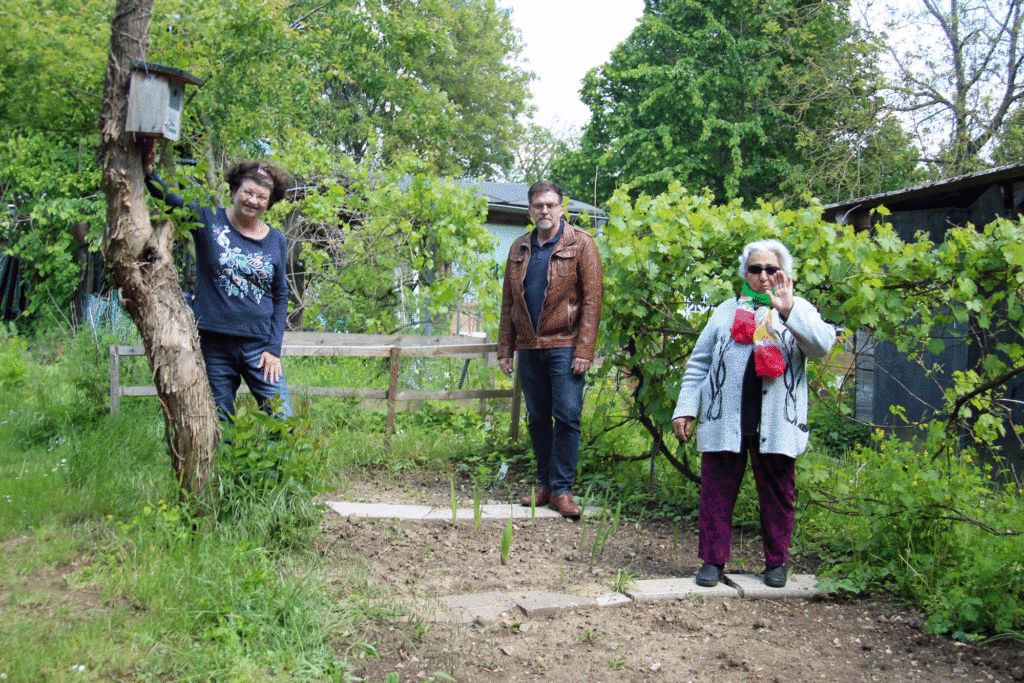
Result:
x=721 y=475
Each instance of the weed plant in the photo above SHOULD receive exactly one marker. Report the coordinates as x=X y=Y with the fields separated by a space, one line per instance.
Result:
x=936 y=530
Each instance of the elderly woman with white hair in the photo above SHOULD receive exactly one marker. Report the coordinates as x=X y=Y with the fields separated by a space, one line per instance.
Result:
x=746 y=386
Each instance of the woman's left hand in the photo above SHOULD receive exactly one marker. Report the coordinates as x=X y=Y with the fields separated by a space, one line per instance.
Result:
x=271 y=365
x=781 y=293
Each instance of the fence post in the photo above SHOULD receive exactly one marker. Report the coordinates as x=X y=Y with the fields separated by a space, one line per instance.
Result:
x=115 y=380
x=389 y=427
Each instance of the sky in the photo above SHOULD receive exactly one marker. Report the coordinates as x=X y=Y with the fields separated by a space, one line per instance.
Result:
x=563 y=40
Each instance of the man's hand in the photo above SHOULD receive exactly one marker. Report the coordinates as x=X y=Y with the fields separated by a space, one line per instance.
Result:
x=506 y=366
x=271 y=365
x=580 y=365
x=683 y=426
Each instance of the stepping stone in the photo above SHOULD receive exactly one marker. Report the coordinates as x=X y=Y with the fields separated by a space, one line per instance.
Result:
x=797 y=586
x=382 y=510
x=485 y=608
x=650 y=590
x=613 y=600
x=546 y=603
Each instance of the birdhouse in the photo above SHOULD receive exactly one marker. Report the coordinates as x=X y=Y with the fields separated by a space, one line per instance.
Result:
x=156 y=98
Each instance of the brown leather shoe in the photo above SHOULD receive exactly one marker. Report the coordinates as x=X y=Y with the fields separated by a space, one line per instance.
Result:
x=565 y=506
x=543 y=497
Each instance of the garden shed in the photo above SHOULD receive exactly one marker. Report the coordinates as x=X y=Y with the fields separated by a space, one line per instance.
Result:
x=884 y=377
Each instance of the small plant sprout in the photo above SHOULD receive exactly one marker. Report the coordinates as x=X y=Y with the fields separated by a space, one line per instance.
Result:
x=624 y=579
x=506 y=542
x=477 y=514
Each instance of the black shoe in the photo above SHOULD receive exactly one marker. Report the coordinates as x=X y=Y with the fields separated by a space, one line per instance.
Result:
x=709 y=574
x=775 y=577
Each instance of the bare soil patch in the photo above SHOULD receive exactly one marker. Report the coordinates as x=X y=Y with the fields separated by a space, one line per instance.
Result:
x=727 y=640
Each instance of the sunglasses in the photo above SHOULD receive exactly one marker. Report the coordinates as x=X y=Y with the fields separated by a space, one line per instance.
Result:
x=756 y=270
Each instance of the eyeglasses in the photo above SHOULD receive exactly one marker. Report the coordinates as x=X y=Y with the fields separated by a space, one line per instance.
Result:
x=540 y=208
x=756 y=270
x=262 y=199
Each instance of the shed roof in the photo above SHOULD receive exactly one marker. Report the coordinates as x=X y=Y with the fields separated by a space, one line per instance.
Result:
x=959 y=191
x=511 y=197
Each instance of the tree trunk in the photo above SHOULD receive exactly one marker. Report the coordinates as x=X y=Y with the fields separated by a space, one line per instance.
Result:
x=140 y=260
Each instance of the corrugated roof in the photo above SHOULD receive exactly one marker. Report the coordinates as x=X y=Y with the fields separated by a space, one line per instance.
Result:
x=967 y=182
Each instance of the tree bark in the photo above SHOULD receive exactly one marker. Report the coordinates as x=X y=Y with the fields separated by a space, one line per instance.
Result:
x=139 y=256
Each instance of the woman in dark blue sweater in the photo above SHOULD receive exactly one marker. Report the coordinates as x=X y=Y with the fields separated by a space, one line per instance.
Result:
x=241 y=294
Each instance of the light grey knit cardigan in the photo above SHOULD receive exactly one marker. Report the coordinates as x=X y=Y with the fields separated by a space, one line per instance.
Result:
x=712 y=385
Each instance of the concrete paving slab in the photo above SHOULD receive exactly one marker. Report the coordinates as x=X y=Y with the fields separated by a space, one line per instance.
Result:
x=515 y=511
x=490 y=511
x=546 y=603
x=650 y=590
x=382 y=510
x=444 y=514
x=797 y=586
x=613 y=600
x=485 y=608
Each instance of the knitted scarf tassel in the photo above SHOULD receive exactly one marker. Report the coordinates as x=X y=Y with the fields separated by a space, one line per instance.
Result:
x=754 y=325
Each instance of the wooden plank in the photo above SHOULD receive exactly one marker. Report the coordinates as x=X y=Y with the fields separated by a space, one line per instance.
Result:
x=336 y=392
x=115 y=380
x=131 y=350
x=138 y=391
x=337 y=339
x=356 y=351
x=450 y=351
x=455 y=395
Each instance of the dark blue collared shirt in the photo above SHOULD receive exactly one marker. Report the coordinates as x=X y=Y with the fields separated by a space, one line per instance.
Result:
x=535 y=283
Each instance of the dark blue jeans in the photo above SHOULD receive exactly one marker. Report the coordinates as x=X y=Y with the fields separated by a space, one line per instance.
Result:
x=229 y=360
x=554 y=401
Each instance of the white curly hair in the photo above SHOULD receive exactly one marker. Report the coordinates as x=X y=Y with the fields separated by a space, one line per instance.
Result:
x=774 y=246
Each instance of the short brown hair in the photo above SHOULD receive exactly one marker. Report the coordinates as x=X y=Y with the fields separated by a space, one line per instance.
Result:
x=261 y=173
x=544 y=186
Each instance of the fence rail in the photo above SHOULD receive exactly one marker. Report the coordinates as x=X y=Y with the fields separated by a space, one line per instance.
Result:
x=395 y=347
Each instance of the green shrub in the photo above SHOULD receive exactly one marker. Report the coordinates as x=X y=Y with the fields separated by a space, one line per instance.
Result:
x=932 y=528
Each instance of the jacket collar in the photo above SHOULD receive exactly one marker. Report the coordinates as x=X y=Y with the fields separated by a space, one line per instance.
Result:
x=568 y=236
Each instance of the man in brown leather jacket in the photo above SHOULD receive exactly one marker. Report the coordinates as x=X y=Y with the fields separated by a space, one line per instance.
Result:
x=550 y=311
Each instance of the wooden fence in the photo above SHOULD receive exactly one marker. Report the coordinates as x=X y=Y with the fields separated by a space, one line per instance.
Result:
x=394 y=347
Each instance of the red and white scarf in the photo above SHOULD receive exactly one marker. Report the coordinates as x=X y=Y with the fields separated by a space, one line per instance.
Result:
x=753 y=325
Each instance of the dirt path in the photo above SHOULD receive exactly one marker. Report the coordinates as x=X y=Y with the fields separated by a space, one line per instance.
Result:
x=728 y=640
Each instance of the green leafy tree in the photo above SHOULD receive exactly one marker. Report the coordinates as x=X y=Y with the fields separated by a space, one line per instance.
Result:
x=1009 y=146
x=338 y=81
x=51 y=65
x=49 y=182
x=536 y=151
x=376 y=80
x=729 y=96
x=384 y=249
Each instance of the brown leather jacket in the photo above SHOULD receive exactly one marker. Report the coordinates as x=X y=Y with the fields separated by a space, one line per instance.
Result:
x=572 y=302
